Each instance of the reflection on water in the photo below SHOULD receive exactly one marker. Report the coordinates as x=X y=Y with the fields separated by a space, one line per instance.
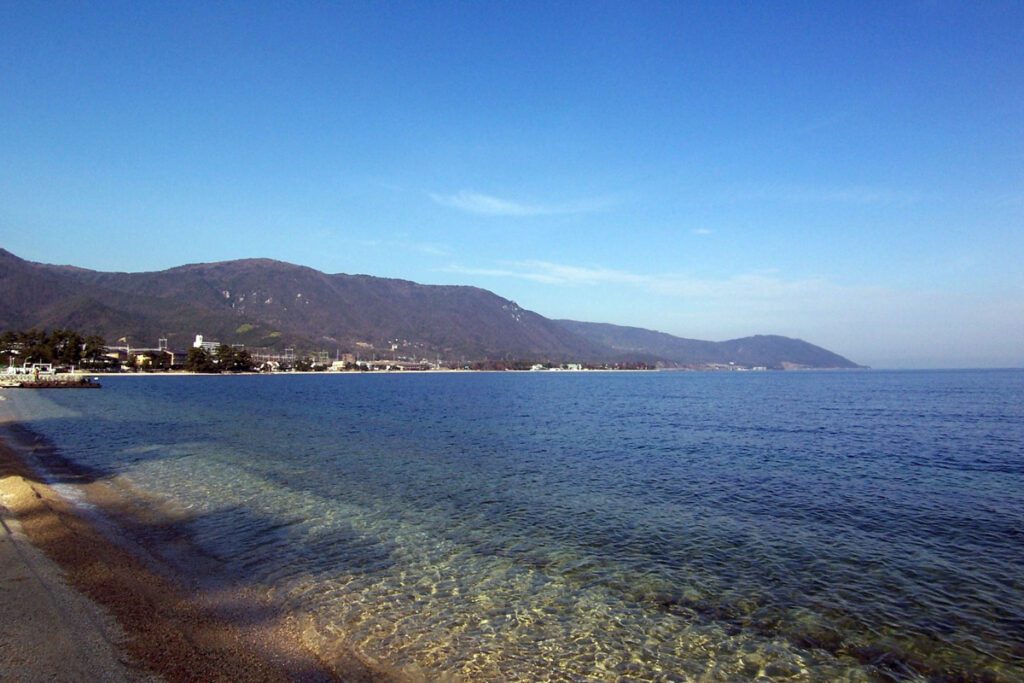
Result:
x=819 y=526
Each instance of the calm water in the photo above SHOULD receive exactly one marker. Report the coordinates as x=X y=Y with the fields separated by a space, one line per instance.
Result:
x=599 y=527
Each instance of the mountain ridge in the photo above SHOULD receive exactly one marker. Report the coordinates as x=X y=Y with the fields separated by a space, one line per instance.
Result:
x=262 y=302
x=768 y=350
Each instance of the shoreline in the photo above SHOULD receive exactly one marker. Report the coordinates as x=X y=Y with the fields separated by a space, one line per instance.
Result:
x=413 y=373
x=355 y=373
x=165 y=626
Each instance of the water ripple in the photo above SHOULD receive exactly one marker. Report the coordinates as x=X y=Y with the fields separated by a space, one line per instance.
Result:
x=660 y=527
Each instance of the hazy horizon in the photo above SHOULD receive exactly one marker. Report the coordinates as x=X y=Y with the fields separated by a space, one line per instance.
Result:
x=845 y=174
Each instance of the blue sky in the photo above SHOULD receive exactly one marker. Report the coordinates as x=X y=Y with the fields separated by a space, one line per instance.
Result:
x=850 y=174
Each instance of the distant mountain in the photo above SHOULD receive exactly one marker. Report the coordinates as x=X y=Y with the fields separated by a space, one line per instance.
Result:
x=760 y=350
x=261 y=302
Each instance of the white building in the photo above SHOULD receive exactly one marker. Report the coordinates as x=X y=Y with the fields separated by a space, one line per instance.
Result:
x=208 y=346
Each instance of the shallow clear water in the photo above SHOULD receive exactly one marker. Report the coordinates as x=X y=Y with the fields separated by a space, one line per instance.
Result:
x=599 y=526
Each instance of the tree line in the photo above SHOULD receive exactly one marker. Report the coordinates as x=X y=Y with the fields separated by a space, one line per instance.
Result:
x=224 y=359
x=59 y=347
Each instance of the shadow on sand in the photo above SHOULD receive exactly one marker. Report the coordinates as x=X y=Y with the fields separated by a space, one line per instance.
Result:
x=186 y=619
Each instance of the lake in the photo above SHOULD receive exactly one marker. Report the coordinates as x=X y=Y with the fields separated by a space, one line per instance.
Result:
x=806 y=526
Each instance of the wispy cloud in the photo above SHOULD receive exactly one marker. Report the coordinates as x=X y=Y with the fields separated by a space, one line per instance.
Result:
x=759 y=285
x=474 y=202
x=870 y=323
x=702 y=231
x=554 y=273
x=746 y=295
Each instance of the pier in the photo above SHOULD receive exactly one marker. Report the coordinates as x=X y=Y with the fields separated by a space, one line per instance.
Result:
x=43 y=376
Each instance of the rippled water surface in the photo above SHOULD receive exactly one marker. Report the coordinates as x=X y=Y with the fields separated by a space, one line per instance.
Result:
x=599 y=526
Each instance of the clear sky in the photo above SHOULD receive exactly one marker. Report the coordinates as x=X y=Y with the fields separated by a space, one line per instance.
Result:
x=850 y=174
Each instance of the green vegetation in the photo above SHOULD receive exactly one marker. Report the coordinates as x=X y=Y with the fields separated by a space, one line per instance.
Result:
x=60 y=347
x=233 y=360
x=224 y=359
x=199 y=361
x=244 y=327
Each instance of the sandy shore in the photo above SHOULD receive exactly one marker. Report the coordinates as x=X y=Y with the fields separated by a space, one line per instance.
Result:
x=48 y=630
x=80 y=601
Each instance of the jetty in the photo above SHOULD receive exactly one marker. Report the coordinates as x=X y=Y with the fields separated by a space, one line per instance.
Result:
x=43 y=376
x=53 y=382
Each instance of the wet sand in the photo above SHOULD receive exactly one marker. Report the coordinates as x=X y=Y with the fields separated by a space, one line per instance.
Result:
x=81 y=601
x=48 y=630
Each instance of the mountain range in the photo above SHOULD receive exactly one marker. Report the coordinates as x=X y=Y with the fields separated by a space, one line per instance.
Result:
x=267 y=303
